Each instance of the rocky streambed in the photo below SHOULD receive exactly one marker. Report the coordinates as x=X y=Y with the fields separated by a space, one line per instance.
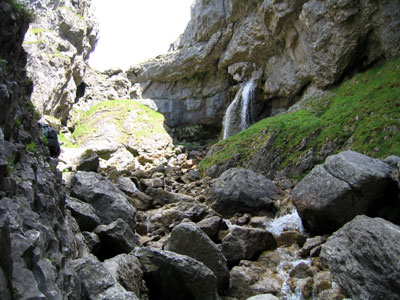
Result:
x=163 y=232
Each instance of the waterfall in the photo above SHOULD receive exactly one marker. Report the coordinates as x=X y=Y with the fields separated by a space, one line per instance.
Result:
x=247 y=105
x=243 y=98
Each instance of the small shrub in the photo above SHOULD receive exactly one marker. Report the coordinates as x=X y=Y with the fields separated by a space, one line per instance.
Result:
x=45 y=140
x=3 y=64
x=10 y=166
x=17 y=123
x=31 y=147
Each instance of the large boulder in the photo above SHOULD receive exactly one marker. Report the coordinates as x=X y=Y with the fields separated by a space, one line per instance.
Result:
x=97 y=282
x=363 y=258
x=116 y=238
x=84 y=214
x=188 y=239
x=246 y=243
x=109 y=202
x=126 y=270
x=173 y=276
x=243 y=191
x=348 y=184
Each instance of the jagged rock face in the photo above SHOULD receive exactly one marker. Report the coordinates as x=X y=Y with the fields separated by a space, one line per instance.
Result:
x=58 y=44
x=37 y=234
x=360 y=255
x=296 y=44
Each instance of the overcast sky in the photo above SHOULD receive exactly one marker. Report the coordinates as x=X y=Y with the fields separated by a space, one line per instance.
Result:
x=132 y=31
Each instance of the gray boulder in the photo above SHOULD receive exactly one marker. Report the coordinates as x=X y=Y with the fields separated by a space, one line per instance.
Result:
x=97 y=283
x=240 y=190
x=109 y=202
x=126 y=269
x=363 y=258
x=162 y=197
x=116 y=238
x=347 y=185
x=84 y=214
x=188 y=239
x=89 y=161
x=173 y=276
x=211 y=226
x=246 y=243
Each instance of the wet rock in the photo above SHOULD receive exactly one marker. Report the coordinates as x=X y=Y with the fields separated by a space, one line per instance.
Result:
x=250 y=278
x=301 y=271
x=322 y=281
x=347 y=185
x=211 y=226
x=360 y=257
x=84 y=214
x=188 y=239
x=116 y=238
x=288 y=238
x=243 y=191
x=126 y=270
x=109 y=203
x=310 y=244
x=173 y=276
x=246 y=243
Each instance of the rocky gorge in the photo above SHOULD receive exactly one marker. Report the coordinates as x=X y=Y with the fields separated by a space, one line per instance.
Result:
x=126 y=212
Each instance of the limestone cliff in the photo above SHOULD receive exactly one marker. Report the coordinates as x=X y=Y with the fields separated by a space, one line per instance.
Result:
x=58 y=43
x=293 y=48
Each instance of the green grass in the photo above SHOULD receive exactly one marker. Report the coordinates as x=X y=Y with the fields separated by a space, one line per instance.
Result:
x=144 y=124
x=363 y=114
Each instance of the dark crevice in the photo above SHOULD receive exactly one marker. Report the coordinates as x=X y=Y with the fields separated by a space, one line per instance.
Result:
x=80 y=91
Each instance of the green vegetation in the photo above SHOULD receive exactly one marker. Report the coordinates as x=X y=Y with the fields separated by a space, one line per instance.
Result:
x=31 y=147
x=31 y=108
x=17 y=123
x=3 y=64
x=11 y=166
x=129 y=117
x=21 y=10
x=363 y=114
x=45 y=140
x=38 y=30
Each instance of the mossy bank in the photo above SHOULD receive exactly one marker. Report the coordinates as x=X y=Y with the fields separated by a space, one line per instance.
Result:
x=118 y=119
x=363 y=115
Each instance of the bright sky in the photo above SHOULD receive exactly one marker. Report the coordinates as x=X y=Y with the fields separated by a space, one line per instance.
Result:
x=132 y=31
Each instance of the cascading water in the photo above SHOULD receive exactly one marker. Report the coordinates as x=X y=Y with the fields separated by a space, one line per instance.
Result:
x=245 y=98
x=248 y=94
x=291 y=221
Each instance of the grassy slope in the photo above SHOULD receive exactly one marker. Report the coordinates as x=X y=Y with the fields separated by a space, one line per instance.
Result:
x=146 y=122
x=363 y=114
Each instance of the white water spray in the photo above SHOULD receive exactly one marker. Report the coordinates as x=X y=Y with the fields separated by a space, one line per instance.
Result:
x=246 y=94
x=291 y=221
